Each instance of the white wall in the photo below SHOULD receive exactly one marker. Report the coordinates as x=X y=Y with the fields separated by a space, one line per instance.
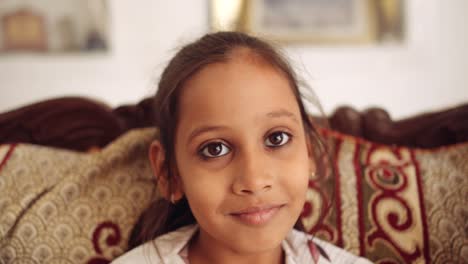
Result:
x=429 y=72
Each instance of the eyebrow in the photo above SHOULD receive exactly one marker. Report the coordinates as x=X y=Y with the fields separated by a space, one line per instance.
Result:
x=274 y=114
x=203 y=129
x=282 y=113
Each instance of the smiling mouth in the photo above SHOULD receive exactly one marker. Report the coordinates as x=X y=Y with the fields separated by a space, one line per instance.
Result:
x=257 y=215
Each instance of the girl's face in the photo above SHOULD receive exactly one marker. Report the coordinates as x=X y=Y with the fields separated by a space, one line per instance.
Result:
x=242 y=155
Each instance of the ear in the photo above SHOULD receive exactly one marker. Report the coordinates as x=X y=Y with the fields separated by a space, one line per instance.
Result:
x=169 y=188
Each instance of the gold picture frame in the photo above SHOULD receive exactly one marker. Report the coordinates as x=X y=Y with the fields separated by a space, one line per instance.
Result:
x=298 y=21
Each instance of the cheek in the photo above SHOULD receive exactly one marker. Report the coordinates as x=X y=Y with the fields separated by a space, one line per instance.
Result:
x=296 y=184
x=296 y=176
x=204 y=191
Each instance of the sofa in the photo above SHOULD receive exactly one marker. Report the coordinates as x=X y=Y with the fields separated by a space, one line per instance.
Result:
x=74 y=180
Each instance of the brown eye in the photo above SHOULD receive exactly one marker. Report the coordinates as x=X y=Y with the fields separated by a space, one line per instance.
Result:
x=277 y=139
x=215 y=149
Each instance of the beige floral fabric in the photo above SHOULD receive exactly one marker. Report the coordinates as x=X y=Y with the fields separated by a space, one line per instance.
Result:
x=445 y=179
x=58 y=206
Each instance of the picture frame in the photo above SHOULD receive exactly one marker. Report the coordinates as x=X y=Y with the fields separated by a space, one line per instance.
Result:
x=24 y=30
x=299 y=21
x=70 y=27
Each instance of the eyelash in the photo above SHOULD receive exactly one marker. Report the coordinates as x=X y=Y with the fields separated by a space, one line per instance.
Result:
x=204 y=148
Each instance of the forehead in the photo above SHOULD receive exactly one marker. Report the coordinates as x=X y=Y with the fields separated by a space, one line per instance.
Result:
x=233 y=92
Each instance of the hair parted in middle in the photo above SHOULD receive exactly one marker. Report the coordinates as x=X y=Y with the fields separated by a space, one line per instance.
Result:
x=162 y=216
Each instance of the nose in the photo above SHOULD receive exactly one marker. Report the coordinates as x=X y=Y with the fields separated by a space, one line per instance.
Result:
x=254 y=174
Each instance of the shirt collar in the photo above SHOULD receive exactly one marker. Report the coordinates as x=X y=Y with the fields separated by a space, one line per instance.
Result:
x=171 y=244
x=295 y=246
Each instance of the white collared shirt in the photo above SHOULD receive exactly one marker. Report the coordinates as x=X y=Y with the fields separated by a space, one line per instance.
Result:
x=172 y=248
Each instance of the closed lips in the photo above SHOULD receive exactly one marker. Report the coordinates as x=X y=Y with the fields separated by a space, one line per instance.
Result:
x=256 y=209
x=257 y=215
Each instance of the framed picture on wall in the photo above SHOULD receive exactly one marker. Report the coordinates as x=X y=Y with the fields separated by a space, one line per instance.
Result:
x=24 y=30
x=54 y=26
x=311 y=21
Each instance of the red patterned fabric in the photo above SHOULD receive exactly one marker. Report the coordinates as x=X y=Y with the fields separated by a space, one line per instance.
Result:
x=11 y=148
x=374 y=204
x=110 y=240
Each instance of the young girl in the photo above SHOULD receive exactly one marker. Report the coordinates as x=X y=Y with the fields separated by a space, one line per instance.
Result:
x=232 y=163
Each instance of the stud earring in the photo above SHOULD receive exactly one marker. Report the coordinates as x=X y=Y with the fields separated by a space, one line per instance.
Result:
x=312 y=174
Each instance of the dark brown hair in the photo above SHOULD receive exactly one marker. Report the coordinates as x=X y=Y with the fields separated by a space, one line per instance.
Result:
x=162 y=216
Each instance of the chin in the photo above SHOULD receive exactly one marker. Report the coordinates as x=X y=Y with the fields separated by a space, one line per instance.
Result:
x=256 y=241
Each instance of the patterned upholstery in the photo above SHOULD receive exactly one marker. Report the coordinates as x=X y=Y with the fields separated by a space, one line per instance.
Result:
x=59 y=206
x=393 y=204
x=390 y=204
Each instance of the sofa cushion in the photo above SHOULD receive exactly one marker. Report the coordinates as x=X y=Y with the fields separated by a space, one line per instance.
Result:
x=389 y=204
x=393 y=204
x=58 y=206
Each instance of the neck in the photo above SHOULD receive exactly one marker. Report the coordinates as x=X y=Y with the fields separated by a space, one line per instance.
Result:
x=203 y=249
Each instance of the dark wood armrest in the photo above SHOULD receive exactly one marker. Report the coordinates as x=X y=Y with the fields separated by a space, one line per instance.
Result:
x=427 y=130
x=72 y=123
